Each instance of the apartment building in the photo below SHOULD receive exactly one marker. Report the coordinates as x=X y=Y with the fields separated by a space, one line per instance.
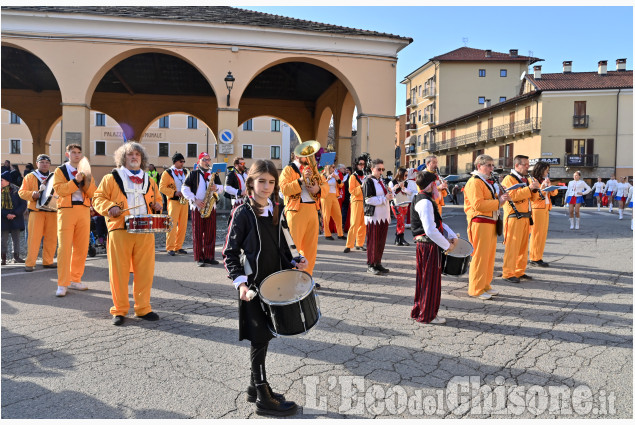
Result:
x=573 y=120
x=453 y=84
x=258 y=138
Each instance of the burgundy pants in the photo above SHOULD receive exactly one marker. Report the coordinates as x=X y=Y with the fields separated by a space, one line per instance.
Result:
x=428 y=289
x=204 y=235
x=376 y=234
x=400 y=214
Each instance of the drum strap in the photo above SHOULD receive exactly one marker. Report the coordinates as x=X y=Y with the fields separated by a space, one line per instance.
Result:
x=287 y=236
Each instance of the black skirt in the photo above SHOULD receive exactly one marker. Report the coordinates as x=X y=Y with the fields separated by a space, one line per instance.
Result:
x=253 y=323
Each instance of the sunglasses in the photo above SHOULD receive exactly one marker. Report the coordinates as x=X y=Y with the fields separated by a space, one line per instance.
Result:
x=381 y=169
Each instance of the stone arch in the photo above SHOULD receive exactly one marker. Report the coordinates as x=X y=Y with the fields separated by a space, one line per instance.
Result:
x=323 y=124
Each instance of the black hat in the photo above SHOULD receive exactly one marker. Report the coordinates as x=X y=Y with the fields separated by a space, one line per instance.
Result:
x=424 y=178
x=177 y=157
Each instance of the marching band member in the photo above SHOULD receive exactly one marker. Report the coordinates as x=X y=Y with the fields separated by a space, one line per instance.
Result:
x=357 y=230
x=412 y=185
x=171 y=186
x=426 y=229
x=203 y=229
x=611 y=190
x=432 y=166
x=126 y=187
x=516 y=227
x=345 y=197
x=73 y=221
x=255 y=234
x=622 y=194
x=235 y=188
x=599 y=187
x=576 y=189
x=376 y=216
x=400 y=185
x=42 y=224
x=481 y=206
x=330 y=204
x=540 y=208
x=301 y=208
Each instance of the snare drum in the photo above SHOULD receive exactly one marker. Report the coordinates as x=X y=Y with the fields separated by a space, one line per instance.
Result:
x=290 y=302
x=457 y=262
x=148 y=223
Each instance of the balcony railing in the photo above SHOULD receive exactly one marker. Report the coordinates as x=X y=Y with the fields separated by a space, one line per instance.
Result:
x=428 y=119
x=509 y=129
x=581 y=160
x=580 y=121
x=411 y=149
x=411 y=126
x=469 y=167
x=429 y=93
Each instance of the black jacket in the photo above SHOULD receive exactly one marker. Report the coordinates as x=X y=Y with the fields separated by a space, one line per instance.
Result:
x=231 y=179
x=192 y=180
x=243 y=237
x=368 y=188
x=19 y=207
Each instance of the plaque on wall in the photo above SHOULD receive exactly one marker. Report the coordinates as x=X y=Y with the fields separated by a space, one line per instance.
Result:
x=226 y=149
x=73 y=137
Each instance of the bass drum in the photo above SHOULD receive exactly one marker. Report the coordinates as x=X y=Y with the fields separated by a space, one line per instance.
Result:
x=290 y=302
x=457 y=262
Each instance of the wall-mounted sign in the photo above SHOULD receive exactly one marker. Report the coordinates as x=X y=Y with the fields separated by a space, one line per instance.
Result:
x=226 y=149
x=226 y=136
x=550 y=161
x=547 y=154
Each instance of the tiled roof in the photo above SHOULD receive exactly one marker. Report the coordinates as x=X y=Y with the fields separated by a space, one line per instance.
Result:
x=470 y=54
x=584 y=81
x=482 y=111
x=210 y=14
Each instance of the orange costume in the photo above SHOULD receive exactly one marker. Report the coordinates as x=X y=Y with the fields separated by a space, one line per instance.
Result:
x=301 y=212
x=73 y=224
x=516 y=230
x=126 y=250
x=357 y=229
x=482 y=209
x=331 y=208
x=540 y=212
x=176 y=210
x=42 y=224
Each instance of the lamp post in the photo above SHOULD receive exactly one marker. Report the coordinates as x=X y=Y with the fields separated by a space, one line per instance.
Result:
x=229 y=82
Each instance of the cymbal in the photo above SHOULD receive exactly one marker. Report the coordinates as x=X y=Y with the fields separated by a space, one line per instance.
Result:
x=84 y=168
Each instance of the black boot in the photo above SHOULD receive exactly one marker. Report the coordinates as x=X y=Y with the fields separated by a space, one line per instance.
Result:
x=267 y=405
x=397 y=242
x=4 y=259
x=252 y=393
x=403 y=240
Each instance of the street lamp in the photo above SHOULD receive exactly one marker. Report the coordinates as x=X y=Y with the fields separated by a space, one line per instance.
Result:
x=229 y=82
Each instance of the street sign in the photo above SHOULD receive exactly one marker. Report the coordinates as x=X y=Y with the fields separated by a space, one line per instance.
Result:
x=226 y=149
x=226 y=136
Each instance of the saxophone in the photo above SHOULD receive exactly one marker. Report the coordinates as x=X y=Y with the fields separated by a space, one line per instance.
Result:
x=211 y=197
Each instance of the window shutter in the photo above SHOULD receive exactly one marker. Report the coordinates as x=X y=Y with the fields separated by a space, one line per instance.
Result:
x=501 y=151
x=568 y=146
x=589 y=146
x=511 y=150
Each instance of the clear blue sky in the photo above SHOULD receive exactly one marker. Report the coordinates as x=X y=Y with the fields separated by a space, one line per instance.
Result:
x=584 y=35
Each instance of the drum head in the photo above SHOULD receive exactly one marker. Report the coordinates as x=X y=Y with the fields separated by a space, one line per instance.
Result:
x=286 y=285
x=463 y=249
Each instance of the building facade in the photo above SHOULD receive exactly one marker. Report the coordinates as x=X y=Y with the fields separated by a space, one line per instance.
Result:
x=453 y=84
x=573 y=120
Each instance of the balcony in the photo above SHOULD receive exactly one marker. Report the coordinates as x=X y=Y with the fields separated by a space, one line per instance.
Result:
x=414 y=103
x=412 y=149
x=411 y=126
x=590 y=161
x=580 y=121
x=407 y=102
x=428 y=119
x=491 y=134
x=428 y=93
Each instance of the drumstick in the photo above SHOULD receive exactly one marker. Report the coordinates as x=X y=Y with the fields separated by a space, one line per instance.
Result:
x=131 y=208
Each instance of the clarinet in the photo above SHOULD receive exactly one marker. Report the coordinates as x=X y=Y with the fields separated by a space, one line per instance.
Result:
x=511 y=203
x=540 y=194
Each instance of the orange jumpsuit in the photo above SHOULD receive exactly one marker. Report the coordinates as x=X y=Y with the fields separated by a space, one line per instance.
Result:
x=357 y=229
x=480 y=207
x=42 y=224
x=127 y=250
x=73 y=227
x=540 y=213
x=516 y=230
x=331 y=209
x=176 y=210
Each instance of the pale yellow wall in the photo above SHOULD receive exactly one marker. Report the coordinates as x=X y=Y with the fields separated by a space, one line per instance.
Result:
x=625 y=135
x=261 y=138
x=15 y=131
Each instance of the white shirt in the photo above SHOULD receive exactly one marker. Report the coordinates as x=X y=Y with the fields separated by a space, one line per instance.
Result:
x=305 y=195
x=599 y=187
x=577 y=186
x=412 y=187
x=242 y=178
x=622 y=189
x=178 y=180
x=630 y=195
x=77 y=195
x=200 y=192
x=611 y=185
x=382 y=209
x=332 y=185
x=426 y=212
x=135 y=191
x=407 y=188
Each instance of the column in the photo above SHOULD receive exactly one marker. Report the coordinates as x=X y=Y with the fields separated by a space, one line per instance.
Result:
x=76 y=126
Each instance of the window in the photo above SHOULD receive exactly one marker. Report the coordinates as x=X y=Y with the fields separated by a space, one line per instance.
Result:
x=275 y=152
x=419 y=116
x=580 y=118
x=100 y=147
x=247 y=150
x=418 y=140
x=481 y=100
x=16 y=146
x=248 y=125
x=14 y=118
x=192 y=149
x=481 y=73
x=527 y=114
x=503 y=73
x=100 y=120
x=275 y=125
x=164 y=122
x=192 y=122
x=502 y=99
x=164 y=149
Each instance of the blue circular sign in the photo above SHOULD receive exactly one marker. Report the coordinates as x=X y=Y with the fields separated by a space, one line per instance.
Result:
x=226 y=136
